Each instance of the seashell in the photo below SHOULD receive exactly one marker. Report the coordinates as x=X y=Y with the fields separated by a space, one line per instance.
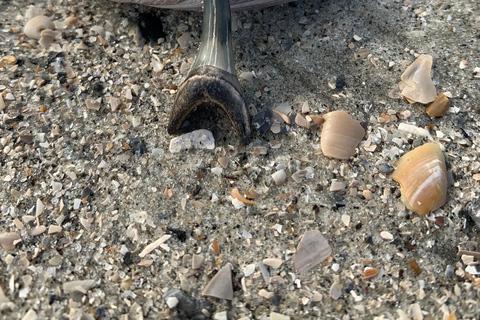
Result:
x=36 y=25
x=312 y=250
x=439 y=107
x=423 y=178
x=48 y=37
x=414 y=266
x=417 y=84
x=221 y=284
x=236 y=194
x=370 y=273
x=279 y=177
x=236 y=5
x=340 y=135
x=9 y=239
x=273 y=262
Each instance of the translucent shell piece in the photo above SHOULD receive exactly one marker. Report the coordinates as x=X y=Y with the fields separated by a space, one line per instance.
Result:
x=340 y=135
x=417 y=84
x=423 y=178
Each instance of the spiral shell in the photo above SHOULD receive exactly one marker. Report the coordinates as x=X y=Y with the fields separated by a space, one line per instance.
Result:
x=423 y=178
x=340 y=135
x=35 y=26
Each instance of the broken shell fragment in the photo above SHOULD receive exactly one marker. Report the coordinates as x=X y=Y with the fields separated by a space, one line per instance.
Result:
x=439 y=107
x=236 y=194
x=422 y=176
x=312 y=249
x=340 y=135
x=279 y=177
x=221 y=284
x=417 y=84
x=34 y=27
x=9 y=239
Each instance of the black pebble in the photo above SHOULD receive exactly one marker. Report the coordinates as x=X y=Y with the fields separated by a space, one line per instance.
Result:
x=340 y=83
x=349 y=288
x=262 y=121
x=385 y=168
x=177 y=233
x=127 y=259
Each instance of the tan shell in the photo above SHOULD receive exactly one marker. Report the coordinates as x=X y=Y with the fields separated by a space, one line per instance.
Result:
x=439 y=107
x=340 y=135
x=417 y=84
x=423 y=178
x=35 y=26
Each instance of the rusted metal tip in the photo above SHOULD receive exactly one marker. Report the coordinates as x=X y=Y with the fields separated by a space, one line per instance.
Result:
x=205 y=86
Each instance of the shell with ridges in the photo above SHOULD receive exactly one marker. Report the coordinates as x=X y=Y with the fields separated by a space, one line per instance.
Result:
x=423 y=178
x=340 y=135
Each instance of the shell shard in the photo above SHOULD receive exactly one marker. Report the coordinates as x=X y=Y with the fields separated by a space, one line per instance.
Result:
x=221 y=284
x=417 y=84
x=422 y=176
x=439 y=107
x=340 y=135
x=312 y=250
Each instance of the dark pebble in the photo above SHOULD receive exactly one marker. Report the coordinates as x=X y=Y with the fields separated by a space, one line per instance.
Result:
x=188 y=307
x=349 y=287
x=340 y=83
x=385 y=168
x=127 y=259
x=177 y=233
x=138 y=146
x=262 y=121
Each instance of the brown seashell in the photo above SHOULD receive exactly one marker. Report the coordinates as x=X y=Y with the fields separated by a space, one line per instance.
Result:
x=439 y=107
x=340 y=135
x=423 y=178
x=370 y=273
x=414 y=266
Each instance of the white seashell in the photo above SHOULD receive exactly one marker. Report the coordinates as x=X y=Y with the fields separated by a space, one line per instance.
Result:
x=279 y=177
x=340 y=135
x=423 y=178
x=36 y=25
x=417 y=84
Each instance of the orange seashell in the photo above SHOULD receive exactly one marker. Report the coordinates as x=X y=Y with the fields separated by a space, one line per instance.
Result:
x=370 y=273
x=423 y=178
x=236 y=194
x=439 y=107
x=340 y=135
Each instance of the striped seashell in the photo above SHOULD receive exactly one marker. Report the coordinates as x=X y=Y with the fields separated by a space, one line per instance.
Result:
x=236 y=5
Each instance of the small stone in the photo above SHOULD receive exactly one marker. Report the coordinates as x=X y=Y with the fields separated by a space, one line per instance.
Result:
x=39 y=208
x=346 y=219
x=337 y=185
x=439 y=107
x=78 y=285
